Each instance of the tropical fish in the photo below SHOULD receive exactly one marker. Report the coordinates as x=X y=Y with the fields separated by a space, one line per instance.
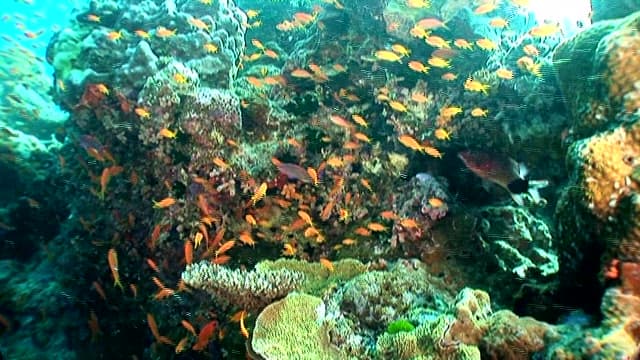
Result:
x=294 y=172
x=260 y=193
x=504 y=171
x=387 y=55
x=112 y=257
x=164 y=203
x=243 y=329
x=205 y=336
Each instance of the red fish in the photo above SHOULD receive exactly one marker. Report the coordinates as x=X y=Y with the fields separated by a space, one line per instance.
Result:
x=293 y=171
x=504 y=171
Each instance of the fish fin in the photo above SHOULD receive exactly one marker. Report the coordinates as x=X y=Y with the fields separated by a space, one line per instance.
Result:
x=518 y=199
x=518 y=186
x=534 y=186
x=523 y=171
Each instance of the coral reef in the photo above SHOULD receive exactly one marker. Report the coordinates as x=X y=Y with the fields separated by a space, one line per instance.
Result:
x=521 y=243
x=214 y=137
x=349 y=321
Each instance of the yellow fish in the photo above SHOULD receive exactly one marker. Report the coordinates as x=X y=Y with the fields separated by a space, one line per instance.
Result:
x=259 y=194
x=476 y=86
x=397 y=106
x=439 y=62
x=387 y=55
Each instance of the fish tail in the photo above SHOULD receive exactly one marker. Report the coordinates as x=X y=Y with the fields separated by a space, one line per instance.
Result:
x=117 y=283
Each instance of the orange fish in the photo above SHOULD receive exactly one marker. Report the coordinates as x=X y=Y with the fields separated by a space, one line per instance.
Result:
x=327 y=264
x=151 y=321
x=246 y=238
x=225 y=247
x=152 y=264
x=164 y=203
x=306 y=217
x=205 y=335
x=377 y=227
x=163 y=32
x=187 y=325
x=107 y=173
x=112 y=257
x=243 y=329
x=410 y=142
x=188 y=252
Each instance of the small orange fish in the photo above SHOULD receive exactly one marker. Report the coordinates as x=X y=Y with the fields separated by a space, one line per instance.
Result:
x=219 y=162
x=306 y=217
x=243 y=329
x=410 y=142
x=205 y=336
x=436 y=202
x=164 y=203
x=152 y=264
x=327 y=264
x=188 y=252
x=163 y=32
x=246 y=238
x=362 y=231
x=377 y=227
x=166 y=133
x=225 y=247
x=408 y=223
x=313 y=174
x=112 y=258
x=288 y=250
x=99 y=290
x=187 y=325
x=182 y=345
x=197 y=239
x=142 y=34
x=251 y=220
x=270 y=54
x=388 y=215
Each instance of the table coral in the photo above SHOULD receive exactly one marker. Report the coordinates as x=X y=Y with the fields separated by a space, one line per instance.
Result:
x=250 y=290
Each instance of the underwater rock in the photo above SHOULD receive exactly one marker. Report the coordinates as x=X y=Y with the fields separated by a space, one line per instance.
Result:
x=603 y=161
x=601 y=92
x=521 y=243
x=142 y=63
x=114 y=45
x=607 y=9
x=598 y=211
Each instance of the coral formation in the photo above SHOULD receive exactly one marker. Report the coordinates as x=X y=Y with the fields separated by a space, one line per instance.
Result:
x=248 y=290
x=293 y=328
x=521 y=243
